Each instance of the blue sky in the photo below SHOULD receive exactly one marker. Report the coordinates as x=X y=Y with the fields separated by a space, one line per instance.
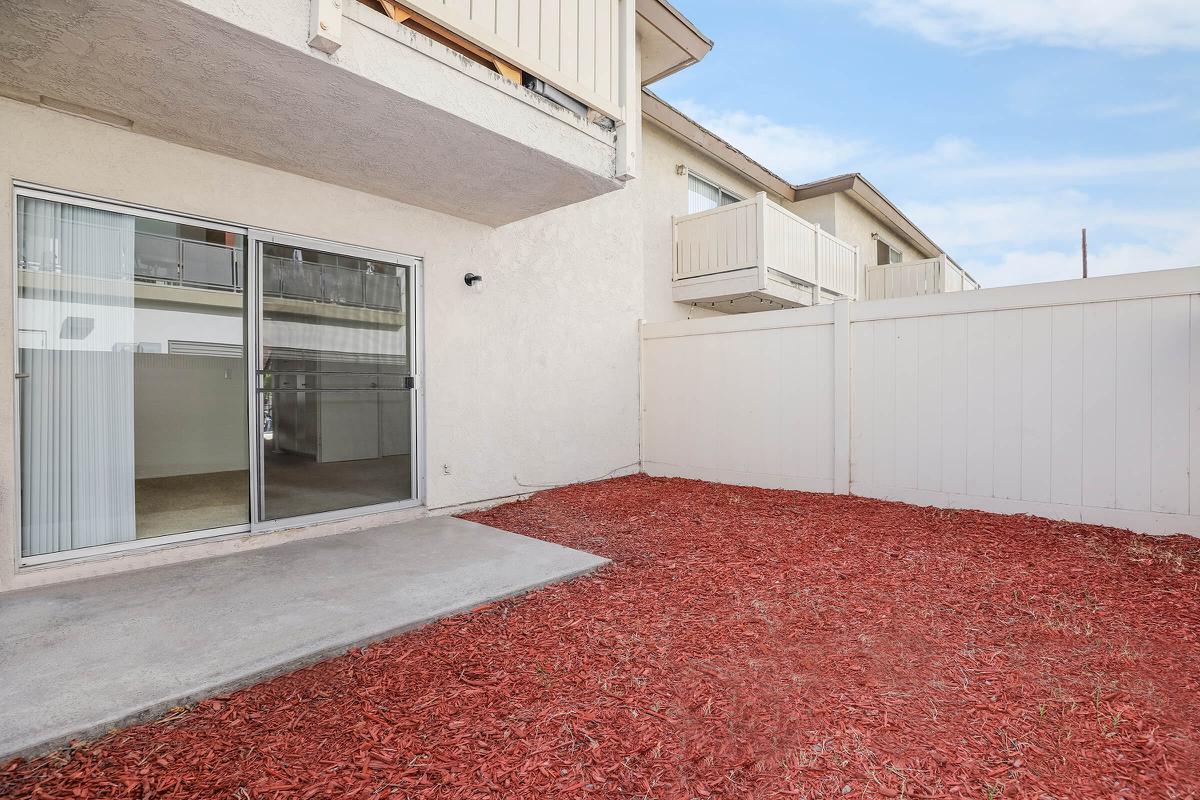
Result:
x=1000 y=128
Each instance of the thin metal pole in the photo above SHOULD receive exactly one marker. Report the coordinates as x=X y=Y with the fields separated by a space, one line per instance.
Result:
x=1084 y=236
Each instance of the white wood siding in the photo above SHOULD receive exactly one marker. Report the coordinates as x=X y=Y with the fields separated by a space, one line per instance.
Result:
x=1072 y=400
x=575 y=45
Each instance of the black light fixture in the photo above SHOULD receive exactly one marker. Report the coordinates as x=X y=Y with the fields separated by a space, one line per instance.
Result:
x=470 y=279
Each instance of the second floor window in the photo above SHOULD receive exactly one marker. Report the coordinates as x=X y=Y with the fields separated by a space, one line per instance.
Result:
x=887 y=254
x=704 y=195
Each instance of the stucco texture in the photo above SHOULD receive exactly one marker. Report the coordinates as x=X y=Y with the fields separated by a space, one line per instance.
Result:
x=391 y=112
x=852 y=222
x=530 y=380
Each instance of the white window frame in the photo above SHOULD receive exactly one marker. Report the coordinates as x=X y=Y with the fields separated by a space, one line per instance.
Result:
x=895 y=254
x=722 y=192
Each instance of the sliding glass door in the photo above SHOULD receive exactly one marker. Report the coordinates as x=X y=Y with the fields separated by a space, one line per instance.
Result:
x=335 y=382
x=132 y=376
x=180 y=378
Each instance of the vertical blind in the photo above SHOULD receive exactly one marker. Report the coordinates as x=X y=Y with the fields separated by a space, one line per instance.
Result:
x=76 y=318
x=704 y=195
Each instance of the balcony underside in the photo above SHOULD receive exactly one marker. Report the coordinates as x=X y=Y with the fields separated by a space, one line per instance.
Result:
x=741 y=291
x=391 y=113
x=754 y=255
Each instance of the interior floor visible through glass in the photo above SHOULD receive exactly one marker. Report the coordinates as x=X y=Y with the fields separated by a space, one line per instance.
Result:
x=334 y=384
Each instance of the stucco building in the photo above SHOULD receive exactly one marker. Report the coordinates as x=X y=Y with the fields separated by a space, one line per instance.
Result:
x=242 y=240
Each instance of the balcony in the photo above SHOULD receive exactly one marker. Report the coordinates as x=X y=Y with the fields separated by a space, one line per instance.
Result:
x=756 y=255
x=916 y=278
x=435 y=114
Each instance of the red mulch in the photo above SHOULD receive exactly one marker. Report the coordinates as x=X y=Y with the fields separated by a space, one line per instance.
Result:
x=745 y=643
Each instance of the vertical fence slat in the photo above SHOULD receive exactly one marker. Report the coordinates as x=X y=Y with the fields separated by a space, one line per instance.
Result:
x=1169 y=363
x=981 y=397
x=1006 y=464
x=1099 y=483
x=1066 y=404
x=929 y=376
x=954 y=415
x=1194 y=412
x=1134 y=320
x=1035 y=404
x=908 y=406
x=862 y=408
x=885 y=402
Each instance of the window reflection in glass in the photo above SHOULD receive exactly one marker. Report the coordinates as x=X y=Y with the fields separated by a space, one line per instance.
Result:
x=335 y=389
x=133 y=411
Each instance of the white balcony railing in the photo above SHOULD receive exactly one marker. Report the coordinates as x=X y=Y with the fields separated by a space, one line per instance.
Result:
x=758 y=234
x=915 y=278
x=584 y=48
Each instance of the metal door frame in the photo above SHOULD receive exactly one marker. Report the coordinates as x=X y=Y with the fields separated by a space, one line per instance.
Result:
x=415 y=346
x=252 y=323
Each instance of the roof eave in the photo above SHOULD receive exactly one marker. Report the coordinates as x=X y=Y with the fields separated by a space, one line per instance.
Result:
x=853 y=184
x=696 y=134
x=679 y=30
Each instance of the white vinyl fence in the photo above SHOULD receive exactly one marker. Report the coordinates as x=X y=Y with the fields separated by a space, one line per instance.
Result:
x=1076 y=400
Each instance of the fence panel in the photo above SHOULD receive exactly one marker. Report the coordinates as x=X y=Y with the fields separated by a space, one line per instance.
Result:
x=723 y=401
x=1073 y=400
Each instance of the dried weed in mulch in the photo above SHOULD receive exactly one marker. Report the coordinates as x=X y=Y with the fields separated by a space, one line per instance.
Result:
x=744 y=643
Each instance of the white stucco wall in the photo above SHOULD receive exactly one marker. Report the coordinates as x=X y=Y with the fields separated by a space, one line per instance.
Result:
x=854 y=223
x=530 y=381
x=818 y=210
x=662 y=193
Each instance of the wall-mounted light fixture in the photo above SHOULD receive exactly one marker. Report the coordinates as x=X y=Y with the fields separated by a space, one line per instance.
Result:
x=470 y=279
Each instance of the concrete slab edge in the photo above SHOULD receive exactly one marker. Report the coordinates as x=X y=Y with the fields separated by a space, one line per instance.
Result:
x=153 y=711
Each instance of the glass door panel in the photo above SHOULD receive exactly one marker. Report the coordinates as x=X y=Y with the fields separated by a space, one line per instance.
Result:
x=132 y=377
x=335 y=381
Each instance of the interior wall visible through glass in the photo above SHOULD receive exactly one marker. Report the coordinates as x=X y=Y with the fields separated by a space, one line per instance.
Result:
x=132 y=398
x=138 y=335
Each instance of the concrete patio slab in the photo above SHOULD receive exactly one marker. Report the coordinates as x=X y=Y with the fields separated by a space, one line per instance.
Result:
x=80 y=658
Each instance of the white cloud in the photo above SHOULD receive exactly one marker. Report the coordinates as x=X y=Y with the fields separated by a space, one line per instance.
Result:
x=946 y=151
x=1088 y=169
x=796 y=152
x=1143 y=109
x=1023 y=220
x=804 y=153
x=1035 y=266
x=1128 y=25
x=1027 y=239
